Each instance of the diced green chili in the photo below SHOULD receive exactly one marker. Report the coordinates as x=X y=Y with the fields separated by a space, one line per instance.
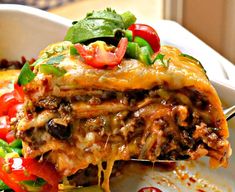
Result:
x=3 y=143
x=143 y=43
x=144 y=56
x=73 y=50
x=17 y=150
x=17 y=143
x=133 y=50
x=5 y=149
x=3 y=186
x=51 y=69
x=129 y=35
x=26 y=75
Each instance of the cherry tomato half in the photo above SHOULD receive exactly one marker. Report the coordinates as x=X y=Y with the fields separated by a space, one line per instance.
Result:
x=8 y=100
x=98 y=54
x=43 y=170
x=16 y=170
x=4 y=127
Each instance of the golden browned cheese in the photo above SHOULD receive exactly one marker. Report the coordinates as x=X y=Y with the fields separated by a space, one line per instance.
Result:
x=130 y=74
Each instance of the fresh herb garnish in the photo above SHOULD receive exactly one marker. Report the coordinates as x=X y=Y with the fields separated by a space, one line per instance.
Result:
x=51 y=69
x=144 y=56
x=55 y=60
x=26 y=75
x=99 y=24
x=162 y=61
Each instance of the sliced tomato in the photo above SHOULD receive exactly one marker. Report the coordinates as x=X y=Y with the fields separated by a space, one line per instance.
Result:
x=148 y=33
x=10 y=103
x=43 y=170
x=11 y=178
x=24 y=169
x=98 y=54
x=4 y=126
x=8 y=100
x=14 y=109
x=18 y=171
x=19 y=93
x=10 y=136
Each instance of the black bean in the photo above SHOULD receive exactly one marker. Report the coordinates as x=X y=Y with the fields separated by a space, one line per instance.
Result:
x=58 y=131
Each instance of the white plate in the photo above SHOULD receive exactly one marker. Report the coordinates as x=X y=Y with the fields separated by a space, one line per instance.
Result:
x=25 y=31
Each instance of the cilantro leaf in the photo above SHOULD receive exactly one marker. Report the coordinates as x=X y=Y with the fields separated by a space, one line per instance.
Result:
x=162 y=61
x=26 y=75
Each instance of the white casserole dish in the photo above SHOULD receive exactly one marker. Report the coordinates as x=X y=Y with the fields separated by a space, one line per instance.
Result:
x=24 y=31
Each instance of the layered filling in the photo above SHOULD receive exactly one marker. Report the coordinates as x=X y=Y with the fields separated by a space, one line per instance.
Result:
x=97 y=125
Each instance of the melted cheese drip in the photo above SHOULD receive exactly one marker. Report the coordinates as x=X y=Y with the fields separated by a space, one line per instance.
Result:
x=106 y=173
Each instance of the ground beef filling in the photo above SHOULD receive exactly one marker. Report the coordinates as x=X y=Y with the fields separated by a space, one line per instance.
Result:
x=156 y=124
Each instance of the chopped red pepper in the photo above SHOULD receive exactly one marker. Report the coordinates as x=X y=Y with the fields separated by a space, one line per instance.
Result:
x=8 y=100
x=10 y=103
x=4 y=127
x=11 y=176
x=43 y=170
x=10 y=136
x=19 y=93
x=99 y=55
x=14 y=109
x=148 y=33
x=16 y=170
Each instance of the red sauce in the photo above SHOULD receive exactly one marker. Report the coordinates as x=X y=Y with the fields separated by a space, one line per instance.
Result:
x=200 y=190
x=149 y=189
x=193 y=180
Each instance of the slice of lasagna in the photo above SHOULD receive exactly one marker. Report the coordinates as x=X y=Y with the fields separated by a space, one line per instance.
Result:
x=77 y=115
